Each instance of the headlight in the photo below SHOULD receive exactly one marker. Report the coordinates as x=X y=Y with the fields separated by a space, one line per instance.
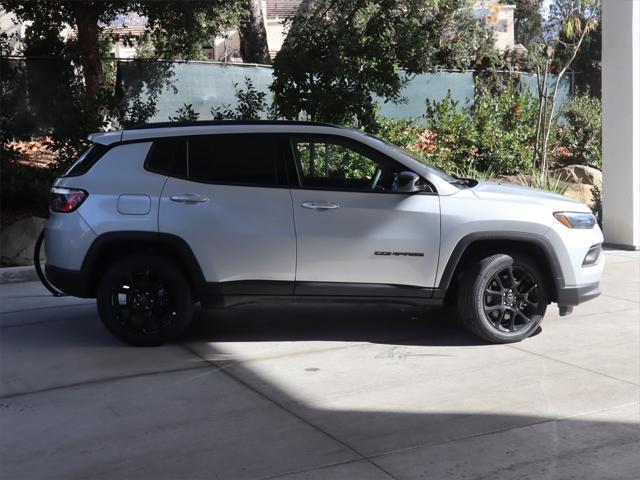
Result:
x=576 y=219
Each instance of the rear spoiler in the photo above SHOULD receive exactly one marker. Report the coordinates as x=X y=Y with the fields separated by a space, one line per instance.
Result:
x=105 y=138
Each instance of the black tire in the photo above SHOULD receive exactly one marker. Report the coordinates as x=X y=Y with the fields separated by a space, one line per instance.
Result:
x=502 y=298
x=144 y=300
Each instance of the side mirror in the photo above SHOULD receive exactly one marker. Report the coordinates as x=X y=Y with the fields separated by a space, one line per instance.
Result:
x=408 y=182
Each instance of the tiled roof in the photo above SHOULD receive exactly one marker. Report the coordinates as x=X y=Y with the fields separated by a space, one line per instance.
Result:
x=135 y=30
x=282 y=8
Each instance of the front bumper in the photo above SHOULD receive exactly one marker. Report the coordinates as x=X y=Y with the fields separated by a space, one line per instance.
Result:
x=571 y=296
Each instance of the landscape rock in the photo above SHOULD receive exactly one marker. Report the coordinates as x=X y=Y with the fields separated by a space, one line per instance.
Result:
x=17 y=241
x=515 y=179
x=580 y=192
x=581 y=174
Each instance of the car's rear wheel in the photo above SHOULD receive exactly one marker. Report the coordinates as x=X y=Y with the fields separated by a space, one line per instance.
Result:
x=503 y=298
x=144 y=300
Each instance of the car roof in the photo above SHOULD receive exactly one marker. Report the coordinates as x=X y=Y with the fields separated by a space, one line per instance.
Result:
x=143 y=131
x=201 y=123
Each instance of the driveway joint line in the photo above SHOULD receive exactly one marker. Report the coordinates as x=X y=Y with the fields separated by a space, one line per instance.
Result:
x=99 y=381
x=282 y=407
x=611 y=377
x=619 y=298
x=319 y=467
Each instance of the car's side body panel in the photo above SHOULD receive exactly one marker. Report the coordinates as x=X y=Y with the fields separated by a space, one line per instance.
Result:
x=120 y=172
x=464 y=214
x=371 y=238
x=239 y=233
x=69 y=237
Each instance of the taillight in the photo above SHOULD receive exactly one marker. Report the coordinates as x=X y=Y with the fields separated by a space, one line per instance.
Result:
x=65 y=200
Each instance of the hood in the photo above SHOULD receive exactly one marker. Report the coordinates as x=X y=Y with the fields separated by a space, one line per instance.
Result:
x=518 y=194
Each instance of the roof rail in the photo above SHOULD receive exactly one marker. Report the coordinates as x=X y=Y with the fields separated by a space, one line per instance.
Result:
x=205 y=123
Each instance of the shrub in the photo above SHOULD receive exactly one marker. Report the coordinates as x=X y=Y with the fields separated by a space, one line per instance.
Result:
x=541 y=181
x=580 y=132
x=597 y=204
x=403 y=133
x=496 y=133
x=251 y=104
x=185 y=113
x=471 y=172
x=504 y=131
x=24 y=186
x=452 y=129
x=410 y=135
x=494 y=136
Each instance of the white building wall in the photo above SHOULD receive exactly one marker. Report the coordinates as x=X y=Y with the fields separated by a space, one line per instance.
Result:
x=621 y=122
x=500 y=18
x=503 y=30
x=10 y=26
x=276 y=34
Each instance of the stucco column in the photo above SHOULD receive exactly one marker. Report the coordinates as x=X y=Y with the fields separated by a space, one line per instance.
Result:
x=621 y=122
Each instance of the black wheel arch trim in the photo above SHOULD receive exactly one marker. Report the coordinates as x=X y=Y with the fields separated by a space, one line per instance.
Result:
x=164 y=241
x=523 y=238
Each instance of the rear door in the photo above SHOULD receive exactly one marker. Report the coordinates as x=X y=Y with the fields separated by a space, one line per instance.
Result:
x=355 y=234
x=229 y=199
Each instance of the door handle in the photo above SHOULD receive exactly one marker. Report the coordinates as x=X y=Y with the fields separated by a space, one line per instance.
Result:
x=189 y=198
x=317 y=205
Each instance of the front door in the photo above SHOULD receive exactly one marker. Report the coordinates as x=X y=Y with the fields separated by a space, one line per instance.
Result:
x=356 y=234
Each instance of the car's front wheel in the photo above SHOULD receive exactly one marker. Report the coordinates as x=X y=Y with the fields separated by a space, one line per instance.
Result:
x=144 y=300
x=503 y=298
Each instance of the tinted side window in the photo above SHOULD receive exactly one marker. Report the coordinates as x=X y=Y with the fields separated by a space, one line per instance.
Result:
x=168 y=156
x=87 y=160
x=337 y=164
x=244 y=159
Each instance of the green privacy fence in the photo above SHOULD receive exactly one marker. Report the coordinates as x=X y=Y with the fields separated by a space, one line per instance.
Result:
x=36 y=90
x=205 y=85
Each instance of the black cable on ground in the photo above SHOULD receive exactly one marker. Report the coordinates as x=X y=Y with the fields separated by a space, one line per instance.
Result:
x=36 y=263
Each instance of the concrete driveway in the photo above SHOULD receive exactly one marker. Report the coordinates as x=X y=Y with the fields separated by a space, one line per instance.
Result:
x=316 y=392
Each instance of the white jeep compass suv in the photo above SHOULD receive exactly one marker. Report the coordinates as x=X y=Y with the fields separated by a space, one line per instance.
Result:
x=153 y=219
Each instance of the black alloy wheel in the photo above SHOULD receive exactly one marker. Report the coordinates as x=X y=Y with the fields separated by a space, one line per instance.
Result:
x=511 y=299
x=143 y=303
x=145 y=300
x=503 y=298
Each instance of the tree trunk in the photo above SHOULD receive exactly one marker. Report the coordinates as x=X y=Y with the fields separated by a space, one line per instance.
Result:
x=545 y=140
x=253 y=36
x=88 y=31
x=542 y=111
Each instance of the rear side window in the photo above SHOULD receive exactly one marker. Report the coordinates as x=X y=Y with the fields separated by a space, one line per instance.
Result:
x=87 y=160
x=168 y=156
x=241 y=159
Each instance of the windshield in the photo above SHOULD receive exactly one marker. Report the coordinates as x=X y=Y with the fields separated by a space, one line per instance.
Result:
x=434 y=171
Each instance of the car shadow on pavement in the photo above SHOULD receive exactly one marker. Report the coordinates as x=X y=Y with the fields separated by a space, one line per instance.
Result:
x=384 y=324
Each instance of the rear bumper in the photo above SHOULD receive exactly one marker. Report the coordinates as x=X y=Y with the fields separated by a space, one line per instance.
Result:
x=71 y=282
x=571 y=296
